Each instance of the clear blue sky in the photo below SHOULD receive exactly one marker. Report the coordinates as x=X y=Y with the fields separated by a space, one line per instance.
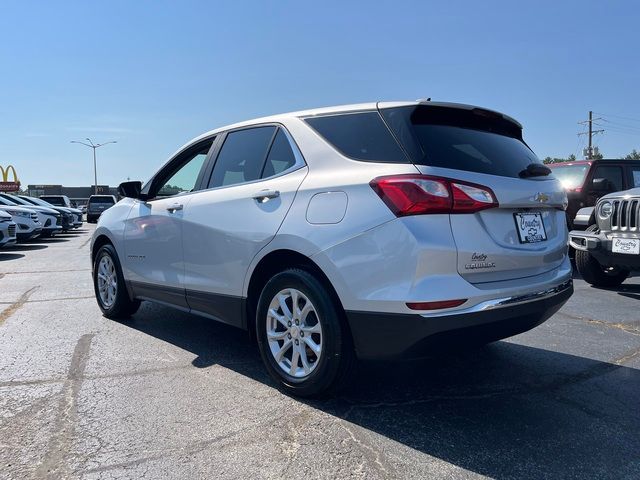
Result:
x=152 y=75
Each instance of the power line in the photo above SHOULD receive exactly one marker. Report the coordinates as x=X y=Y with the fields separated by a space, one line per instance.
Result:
x=618 y=116
x=626 y=132
x=619 y=125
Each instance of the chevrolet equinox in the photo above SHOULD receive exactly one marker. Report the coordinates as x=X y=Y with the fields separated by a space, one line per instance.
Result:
x=365 y=231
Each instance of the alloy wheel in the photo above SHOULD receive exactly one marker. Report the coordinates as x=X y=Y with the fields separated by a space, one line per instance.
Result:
x=294 y=333
x=107 y=281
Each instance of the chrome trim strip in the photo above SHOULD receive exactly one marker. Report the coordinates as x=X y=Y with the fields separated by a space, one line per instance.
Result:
x=505 y=302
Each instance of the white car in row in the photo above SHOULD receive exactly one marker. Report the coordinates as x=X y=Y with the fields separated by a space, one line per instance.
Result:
x=49 y=218
x=27 y=224
x=7 y=230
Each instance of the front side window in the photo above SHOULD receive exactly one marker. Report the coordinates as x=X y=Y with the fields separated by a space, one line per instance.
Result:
x=242 y=156
x=185 y=177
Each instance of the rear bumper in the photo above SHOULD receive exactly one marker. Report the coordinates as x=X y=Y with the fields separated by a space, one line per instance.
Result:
x=599 y=245
x=388 y=335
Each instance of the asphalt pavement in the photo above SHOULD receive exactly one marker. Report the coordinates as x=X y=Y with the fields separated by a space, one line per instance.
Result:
x=171 y=395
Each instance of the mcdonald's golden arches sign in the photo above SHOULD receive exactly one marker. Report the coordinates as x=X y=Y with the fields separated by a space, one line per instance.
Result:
x=5 y=184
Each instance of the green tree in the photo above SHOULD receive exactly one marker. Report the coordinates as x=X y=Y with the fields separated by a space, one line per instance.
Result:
x=634 y=155
x=570 y=158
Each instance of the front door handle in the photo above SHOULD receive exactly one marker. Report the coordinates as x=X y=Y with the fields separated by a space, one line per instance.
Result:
x=175 y=207
x=265 y=195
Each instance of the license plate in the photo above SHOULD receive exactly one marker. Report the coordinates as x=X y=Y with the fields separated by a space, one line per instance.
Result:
x=626 y=245
x=530 y=227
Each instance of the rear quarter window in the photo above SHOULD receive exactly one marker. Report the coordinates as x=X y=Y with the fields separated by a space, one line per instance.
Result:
x=359 y=136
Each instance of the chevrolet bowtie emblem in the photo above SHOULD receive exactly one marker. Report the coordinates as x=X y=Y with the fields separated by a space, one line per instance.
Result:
x=541 y=197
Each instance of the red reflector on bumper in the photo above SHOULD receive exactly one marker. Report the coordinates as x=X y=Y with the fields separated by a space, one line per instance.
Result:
x=436 y=305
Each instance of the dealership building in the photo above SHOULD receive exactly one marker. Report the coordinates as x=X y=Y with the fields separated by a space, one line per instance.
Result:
x=77 y=195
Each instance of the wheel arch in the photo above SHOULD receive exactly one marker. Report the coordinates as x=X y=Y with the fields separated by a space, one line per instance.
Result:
x=99 y=241
x=272 y=263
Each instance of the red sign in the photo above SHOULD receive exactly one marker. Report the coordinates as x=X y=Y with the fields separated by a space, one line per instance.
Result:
x=9 y=186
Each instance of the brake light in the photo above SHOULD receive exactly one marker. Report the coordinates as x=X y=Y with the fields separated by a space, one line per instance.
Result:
x=423 y=194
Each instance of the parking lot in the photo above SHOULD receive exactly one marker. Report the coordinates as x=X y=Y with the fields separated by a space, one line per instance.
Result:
x=171 y=395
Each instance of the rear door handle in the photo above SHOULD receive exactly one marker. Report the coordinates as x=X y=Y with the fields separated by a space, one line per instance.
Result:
x=175 y=207
x=265 y=195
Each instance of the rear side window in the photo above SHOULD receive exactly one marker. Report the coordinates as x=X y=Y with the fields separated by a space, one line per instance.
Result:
x=280 y=156
x=242 y=156
x=612 y=174
x=635 y=176
x=471 y=140
x=360 y=136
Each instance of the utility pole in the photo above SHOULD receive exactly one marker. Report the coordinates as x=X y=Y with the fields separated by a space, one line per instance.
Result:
x=95 y=168
x=590 y=133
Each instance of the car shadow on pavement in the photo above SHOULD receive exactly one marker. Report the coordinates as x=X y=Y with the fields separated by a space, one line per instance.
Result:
x=56 y=239
x=10 y=256
x=26 y=246
x=505 y=410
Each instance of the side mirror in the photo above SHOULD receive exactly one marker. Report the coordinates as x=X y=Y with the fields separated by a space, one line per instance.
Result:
x=130 y=189
x=601 y=185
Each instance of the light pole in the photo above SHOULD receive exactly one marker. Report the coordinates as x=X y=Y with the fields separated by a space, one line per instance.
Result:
x=95 y=170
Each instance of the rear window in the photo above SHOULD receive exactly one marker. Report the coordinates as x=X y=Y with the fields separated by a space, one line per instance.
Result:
x=571 y=176
x=102 y=200
x=472 y=140
x=360 y=136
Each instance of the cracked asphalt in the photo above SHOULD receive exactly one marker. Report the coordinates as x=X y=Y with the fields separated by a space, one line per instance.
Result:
x=170 y=395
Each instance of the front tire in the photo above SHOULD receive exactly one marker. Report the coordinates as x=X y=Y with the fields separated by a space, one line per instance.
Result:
x=594 y=273
x=303 y=340
x=109 y=285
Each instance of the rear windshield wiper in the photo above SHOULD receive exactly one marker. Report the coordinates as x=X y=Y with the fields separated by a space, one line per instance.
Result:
x=535 y=170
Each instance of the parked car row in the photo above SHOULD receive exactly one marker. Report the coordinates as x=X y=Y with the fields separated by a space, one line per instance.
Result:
x=93 y=209
x=24 y=218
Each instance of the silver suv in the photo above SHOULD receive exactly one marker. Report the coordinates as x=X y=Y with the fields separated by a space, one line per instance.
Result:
x=379 y=230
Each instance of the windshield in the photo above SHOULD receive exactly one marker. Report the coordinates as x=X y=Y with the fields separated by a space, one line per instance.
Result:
x=16 y=200
x=37 y=201
x=4 y=201
x=571 y=176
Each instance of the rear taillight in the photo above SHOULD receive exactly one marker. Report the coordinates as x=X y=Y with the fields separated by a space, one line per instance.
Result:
x=422 y=194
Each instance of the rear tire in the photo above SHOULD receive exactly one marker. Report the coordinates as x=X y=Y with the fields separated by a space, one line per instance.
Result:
x=109 y=285
x=594 y=273
x=316 y=352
